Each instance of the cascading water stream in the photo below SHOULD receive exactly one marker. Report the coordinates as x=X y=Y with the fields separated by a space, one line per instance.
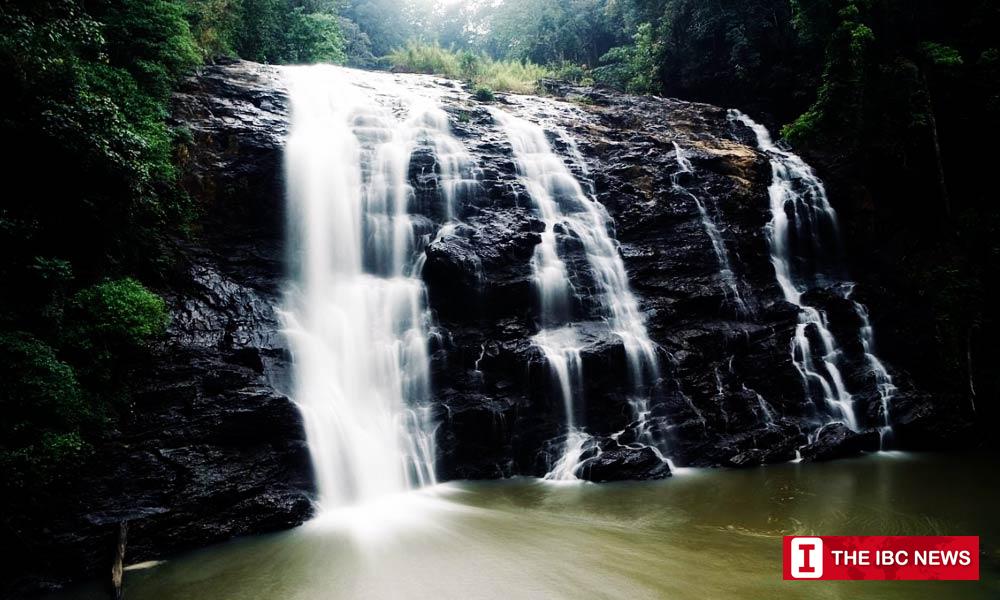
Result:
x=457 y=170
x=803 y=227
x=563 y=204
x=718 y=244
x=355 y=314
x=883 y=380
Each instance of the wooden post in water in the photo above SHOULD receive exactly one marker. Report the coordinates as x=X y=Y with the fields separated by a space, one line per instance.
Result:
x=118 y=565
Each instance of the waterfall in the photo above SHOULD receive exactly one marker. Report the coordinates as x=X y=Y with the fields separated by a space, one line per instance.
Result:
x=564 y=206
x=718 y=244
x=883 y=380
x=805 y=246
x=355 y=313
x=457 y=170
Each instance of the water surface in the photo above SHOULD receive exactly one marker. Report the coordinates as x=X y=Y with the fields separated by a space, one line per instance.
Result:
x=700 y=535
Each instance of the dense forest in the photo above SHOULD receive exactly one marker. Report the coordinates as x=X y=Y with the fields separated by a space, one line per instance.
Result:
x=893 y=100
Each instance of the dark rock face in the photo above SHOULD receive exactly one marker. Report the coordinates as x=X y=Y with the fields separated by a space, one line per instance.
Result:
x=238 y=119
x=214 y=408
x=730 y=392
x=216 y=448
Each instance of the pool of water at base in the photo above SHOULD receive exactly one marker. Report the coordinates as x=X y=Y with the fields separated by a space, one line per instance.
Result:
x=703 y=534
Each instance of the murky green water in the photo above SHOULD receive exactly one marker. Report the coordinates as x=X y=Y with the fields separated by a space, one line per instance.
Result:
x=701 y=535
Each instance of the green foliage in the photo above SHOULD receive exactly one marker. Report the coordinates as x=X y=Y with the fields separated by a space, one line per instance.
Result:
x=357 y=45
x=633 y=68
x=151 y=39
x=315 y=37
x=511 y=76
x=481 y=71
x=44 y=410
x=290 y=31
x=807 y=126
x=547 y=32
x=469 y=64
x=119 y=315
x=106 y=329
x=941 y=55
x=90 y=99
x=214 y=24
x=839 y=96
x=484 y=94
x=564 y=35
x=737 y=51
x=570 y=71
x=387 y=24
x=37 y=386
x=260 y=36
x=415 y=57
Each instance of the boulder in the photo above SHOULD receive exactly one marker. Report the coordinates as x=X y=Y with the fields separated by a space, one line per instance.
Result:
x=838 y=441
x=624 y=463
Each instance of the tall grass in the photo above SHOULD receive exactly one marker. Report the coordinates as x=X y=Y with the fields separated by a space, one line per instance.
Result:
x=480 y=70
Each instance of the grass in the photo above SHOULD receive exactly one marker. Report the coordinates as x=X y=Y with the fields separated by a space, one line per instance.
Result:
x=481 y=71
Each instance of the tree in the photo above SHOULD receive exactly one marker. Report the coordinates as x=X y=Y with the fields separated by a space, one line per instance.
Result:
x=633 y=68
x=548 y=32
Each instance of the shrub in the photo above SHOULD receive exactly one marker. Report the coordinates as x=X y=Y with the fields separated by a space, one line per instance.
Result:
x=941 y=55
x=570 y=71
x=151 y=38
x=633 y=68
x=511 y=76
x=43 y=410
x=118 y=315
x=480 y=70
x=469 y=64
x=415 y=57
x=807 y=126
x=484 y=94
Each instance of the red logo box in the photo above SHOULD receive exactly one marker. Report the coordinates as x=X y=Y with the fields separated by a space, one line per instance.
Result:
x=913 y=557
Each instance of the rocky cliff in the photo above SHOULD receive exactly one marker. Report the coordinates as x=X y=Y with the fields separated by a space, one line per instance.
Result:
x=215 y=448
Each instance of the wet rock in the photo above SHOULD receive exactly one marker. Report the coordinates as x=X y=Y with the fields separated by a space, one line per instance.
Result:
x=624 y=463
x=478 y=441
x=939 y=422
x=237 y=117
x=749 y=458
x=454 y=271
x=838 y=441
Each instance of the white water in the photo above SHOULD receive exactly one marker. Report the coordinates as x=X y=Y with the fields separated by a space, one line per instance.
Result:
x=883 y=380
x=797 y=243
x=563 y=204
x=356 y=315
x=718 y=244
x=763 y=408
x=457 y=170
x=798 y=254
